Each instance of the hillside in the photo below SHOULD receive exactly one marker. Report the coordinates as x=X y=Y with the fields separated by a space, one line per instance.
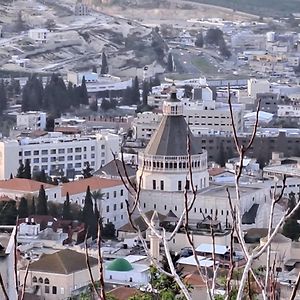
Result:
x=259 y=7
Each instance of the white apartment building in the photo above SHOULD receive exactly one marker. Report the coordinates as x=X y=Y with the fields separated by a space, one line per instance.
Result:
x=208 y=115
x=289 y=111
x=32 y=120
x=55 y=152
x=39 y=35
x=112 y=205
x=256 y=86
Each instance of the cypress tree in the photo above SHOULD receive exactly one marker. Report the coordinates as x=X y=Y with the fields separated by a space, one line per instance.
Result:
x=84 y=93
x=88 y=212
x=170 y=63
x=23 y=210
x=104 y=65
x=136 y=91
x=199 y=40
x=145 y=93
x=42 y=208
x=27 y=169
x=33 y=208
x=3 y=96
x=66 y=208
x=21 y=170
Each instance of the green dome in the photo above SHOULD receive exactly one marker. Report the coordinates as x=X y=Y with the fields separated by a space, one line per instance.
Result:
x=119 y=265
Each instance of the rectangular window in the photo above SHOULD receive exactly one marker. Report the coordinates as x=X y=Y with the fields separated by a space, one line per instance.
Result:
x=107 y=195
x=162 y=185
x=27 y=153
x=107 y=208
x=103 y=154
x=84 y=148
x=70 y=150
x=179 y=186
x=53 y=159
x=44 y=167
x=187 y=184
x=61 y=151
x=44 y=159
x=92 y=148
x=115 y=194
x=78 y=165
x=121 y=205
x=69 y=166
x=62 y=291
x=47 y=289
x=77 y=149
x=77 y=157
x=102 y=147
x=154 y=184
x=69 y=157
x=121 y=192
x=36 y=152
x=53 y=151
x=115 y=206
x=54 y=290
x=36 y=160
x=93 y=155
x=61 y=158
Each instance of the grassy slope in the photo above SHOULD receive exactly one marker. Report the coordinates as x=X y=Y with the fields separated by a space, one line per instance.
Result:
x=259 y=7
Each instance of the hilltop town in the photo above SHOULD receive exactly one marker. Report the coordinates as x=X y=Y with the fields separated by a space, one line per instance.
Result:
x=148 y=150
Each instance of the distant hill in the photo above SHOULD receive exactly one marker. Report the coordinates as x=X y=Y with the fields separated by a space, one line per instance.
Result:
x=259 y=7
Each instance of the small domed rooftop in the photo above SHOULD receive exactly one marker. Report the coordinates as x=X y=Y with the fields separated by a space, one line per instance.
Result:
x=119 y=265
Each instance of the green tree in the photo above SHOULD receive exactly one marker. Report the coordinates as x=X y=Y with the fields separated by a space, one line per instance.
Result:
x=222 y=156
x=214 y=36
x=136 y=91
x=42 y=207
x=21 y=170
x=88 y=216
x=109 y=231
x=32 y=94
x=145 y=93
x=199 y=42
x=40 y=176
x=23 y=210
x=8 y=212
x=94 y=106
x=170 y=64
x=33 y=207
x=141 y=296
x=291 y=229
x=67 y=208
x=27 y=169
x=87 y=170
x=84 y=93
x=3 y=96
x=104 y=64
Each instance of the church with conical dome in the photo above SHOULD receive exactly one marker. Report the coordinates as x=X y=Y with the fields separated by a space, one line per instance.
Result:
x=164 y=165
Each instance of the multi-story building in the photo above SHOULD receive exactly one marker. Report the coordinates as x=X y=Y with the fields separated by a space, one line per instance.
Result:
x=81 y=9
x=208 y=115
x=56 y=153
x=164 y=172
x=32 y=120
x=111 y=204
x=7 y=262
x=39 y=35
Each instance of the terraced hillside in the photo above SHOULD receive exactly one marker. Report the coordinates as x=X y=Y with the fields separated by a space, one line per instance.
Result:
x=259 y=7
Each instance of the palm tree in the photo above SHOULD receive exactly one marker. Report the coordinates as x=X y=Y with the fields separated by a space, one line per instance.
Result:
x=98 y=196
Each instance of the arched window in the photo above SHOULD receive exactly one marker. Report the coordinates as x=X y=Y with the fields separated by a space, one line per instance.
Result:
x=47 y=281
x=34 y=279
x=40 y=280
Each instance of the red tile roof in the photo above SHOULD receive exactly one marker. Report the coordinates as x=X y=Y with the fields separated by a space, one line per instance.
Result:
x=124 y=293
x=95 y=183
x=216 y=171
x=24 y=185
